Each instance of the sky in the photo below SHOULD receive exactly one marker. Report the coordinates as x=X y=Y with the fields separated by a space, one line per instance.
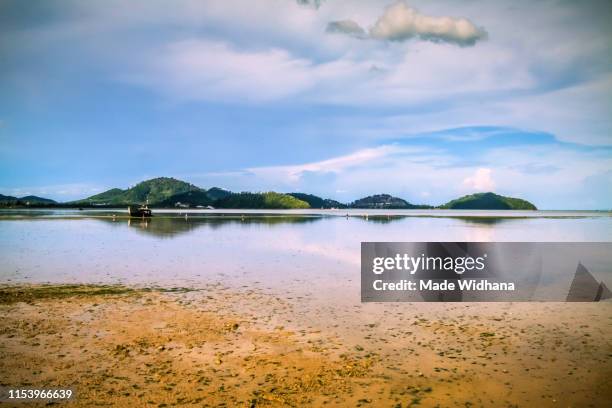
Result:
x=424 y=100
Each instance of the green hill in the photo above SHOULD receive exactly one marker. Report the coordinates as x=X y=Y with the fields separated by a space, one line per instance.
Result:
x=155 y=190
x=317 y=202
x=35 y=200
x=25 y=201
x=488 y=201
x=216 y=193
x=106 y=196
x=169 y=192
x=270 y=200
x=8 y=200
x=381 y=201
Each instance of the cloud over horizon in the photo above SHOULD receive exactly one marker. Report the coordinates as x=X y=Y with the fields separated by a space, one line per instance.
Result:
x=481 y=181
x=500 y=160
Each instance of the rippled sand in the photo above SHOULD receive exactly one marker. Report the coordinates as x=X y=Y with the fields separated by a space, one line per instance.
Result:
x=231 y=347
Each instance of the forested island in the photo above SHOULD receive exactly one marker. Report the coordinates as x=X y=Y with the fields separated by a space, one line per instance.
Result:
x=167 y=192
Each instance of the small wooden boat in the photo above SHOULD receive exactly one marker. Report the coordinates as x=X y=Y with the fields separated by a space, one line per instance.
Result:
x=141 y=212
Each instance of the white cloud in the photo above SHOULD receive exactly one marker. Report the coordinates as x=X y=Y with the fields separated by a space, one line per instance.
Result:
x=400 y=22
x=199 y=69
x=293 y=173
x=481 y=180
x=213 y=70
x=579 y=113
x=395 y=169
x=428 y=175
x=540 y=77
x=285 y=55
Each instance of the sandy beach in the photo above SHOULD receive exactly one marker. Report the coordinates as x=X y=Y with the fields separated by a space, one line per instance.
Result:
x=225 y=347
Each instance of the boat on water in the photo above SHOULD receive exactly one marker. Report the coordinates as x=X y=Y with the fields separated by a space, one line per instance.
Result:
x=140 y=212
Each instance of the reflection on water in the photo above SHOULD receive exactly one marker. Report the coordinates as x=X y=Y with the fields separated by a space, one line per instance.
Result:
x=169 y=227
x=485 y=220
x=314 y=253
x=378 y=214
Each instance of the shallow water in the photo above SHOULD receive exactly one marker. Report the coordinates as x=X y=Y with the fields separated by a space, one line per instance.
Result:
x=305 y=251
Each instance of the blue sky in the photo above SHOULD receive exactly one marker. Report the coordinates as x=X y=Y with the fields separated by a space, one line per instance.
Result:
x=424 y=100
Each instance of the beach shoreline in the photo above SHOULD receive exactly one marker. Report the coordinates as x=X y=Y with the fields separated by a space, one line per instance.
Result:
x=148 y=347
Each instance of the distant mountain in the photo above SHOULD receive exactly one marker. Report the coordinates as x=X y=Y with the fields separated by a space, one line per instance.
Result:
x=219 y=198
x=35 y=200
x=8 y=200
x=488 y=201
x=169 y=193
x=156 y=190
x=107 y=196
x=382 y=201
x=25 y=201
x=260 y=200
x=317 y=202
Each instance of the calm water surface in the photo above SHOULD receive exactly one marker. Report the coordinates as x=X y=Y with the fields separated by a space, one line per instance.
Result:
x=301 y=251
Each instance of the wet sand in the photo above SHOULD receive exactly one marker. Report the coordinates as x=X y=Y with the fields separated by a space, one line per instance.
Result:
x=218 y=346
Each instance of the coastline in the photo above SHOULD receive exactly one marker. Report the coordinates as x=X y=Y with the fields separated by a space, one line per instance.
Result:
x=374 y=214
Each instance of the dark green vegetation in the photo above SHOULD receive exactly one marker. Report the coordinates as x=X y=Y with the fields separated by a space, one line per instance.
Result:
x=385 y=201
x=24 y=201
x=261 y=200
x=155 y=190
x=8 y=200
x=167 y=192
x=217 y=193
x=14 y=294
x=488 y=201
x=195 y=198
x=189 y=199
x=32 y=199
x=318 y=202
x=30 y=293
